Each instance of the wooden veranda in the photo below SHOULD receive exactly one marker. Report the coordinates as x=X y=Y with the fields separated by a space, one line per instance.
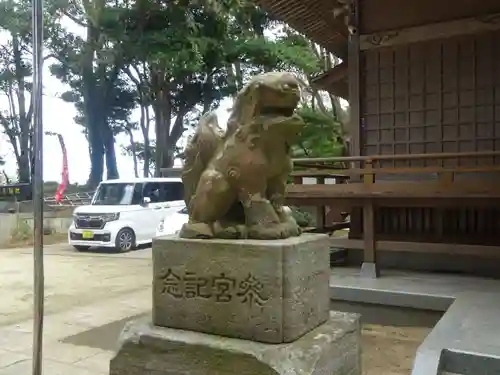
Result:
x=423 y=82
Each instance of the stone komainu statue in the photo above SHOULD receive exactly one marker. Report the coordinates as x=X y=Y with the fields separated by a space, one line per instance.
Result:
x=235 y=181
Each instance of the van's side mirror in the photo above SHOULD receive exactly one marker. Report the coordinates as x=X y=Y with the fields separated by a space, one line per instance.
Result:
x=146 y=200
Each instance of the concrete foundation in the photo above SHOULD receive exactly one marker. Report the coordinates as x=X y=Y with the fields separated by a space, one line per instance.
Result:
x=333 y=348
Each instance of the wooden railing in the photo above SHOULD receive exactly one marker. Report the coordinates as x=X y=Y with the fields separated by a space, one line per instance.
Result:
x=370 y=162
x=439 y=188
x=334 y=218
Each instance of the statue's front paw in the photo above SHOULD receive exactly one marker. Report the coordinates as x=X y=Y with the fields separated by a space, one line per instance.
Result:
x=274 y=232
x=268 y=232
x=230 y=232
x=290 y=229
x=196 y=231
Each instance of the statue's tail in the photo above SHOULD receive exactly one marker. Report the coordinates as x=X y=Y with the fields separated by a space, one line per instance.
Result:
x=199 y=150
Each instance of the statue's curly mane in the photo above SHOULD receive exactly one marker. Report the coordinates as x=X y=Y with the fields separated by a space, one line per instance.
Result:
x=243 y=110
x=199 y=150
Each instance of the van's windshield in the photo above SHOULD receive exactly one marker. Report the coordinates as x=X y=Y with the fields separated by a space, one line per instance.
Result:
x=116 y=194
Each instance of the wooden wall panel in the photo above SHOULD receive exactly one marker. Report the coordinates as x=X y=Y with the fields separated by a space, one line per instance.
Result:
x=437 y=96
x=383 y=15
x=464 y=225
x=431 y=97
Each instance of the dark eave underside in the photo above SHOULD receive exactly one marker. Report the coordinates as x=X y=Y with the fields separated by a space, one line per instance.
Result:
x=314 y=19
x=334 y=81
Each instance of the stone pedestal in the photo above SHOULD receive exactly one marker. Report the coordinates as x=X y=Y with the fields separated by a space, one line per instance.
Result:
x=267 y=291
x=243 y=306
x=330 y=349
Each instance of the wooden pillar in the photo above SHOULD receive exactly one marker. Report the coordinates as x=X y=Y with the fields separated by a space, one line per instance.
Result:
x=321 y=210
x=369 y=233
x=369 y=268
x=353 y=53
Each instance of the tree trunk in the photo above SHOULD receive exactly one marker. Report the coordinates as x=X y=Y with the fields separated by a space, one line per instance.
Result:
x=96 y=156
x=134 y=151
x=7 y=179
x=163 y=119
x=144 y=124
x=24 y=117
x=147 y=158
x=163 y=157
x=109 y=149
x=90 y=110
x=167 y=142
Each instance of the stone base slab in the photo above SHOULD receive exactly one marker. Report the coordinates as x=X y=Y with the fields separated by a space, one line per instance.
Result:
x=266 y=291
x=369 y=270
x=333 y=348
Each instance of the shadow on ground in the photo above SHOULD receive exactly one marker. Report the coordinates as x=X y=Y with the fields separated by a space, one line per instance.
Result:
x=104 y=337
x=110 y=250
x=389 y=315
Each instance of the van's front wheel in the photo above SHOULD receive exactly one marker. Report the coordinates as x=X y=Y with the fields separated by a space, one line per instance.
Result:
x=125 y=240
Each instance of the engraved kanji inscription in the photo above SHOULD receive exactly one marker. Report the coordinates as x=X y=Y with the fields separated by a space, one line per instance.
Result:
x=224 y=287
x=195 y=286
x=250 y=291
x=172 y=284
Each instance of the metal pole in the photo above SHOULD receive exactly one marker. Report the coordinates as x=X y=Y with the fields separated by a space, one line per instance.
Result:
x=38 y=285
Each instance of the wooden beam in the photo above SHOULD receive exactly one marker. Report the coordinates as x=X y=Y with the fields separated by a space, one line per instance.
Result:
x=335 y=74
x=420 y=247
x=441 y=30
x=354 y=84
x=394 y=14
x=429 y=156
x=334 y=81
x=394 y=190
x=443 y=172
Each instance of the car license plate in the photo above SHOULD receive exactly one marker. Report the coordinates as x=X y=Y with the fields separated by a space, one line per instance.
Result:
x=86 y=235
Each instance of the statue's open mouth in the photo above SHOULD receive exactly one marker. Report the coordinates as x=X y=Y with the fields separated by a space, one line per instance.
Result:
x=277 y=111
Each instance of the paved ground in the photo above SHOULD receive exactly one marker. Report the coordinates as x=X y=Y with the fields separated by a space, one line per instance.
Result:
x=90 y=296
x=85 y=292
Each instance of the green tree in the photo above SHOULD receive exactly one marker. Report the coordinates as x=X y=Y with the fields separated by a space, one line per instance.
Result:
x=179 y=58
x=15 y=77
x=15 y=81
x=185 y=57
x=102 y=96
x=321 y=137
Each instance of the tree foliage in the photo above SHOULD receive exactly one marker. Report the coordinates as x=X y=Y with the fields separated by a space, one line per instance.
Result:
x=166 y=62
x=321 y=137
x=16 y=107
x=15 y=83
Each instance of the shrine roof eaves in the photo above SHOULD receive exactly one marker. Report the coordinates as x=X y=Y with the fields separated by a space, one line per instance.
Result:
x=313 y=18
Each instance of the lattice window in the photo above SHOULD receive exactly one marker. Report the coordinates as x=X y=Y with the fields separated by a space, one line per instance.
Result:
x=437 y=96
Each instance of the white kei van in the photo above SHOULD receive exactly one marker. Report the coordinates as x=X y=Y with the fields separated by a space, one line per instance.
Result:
x=124 y=213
